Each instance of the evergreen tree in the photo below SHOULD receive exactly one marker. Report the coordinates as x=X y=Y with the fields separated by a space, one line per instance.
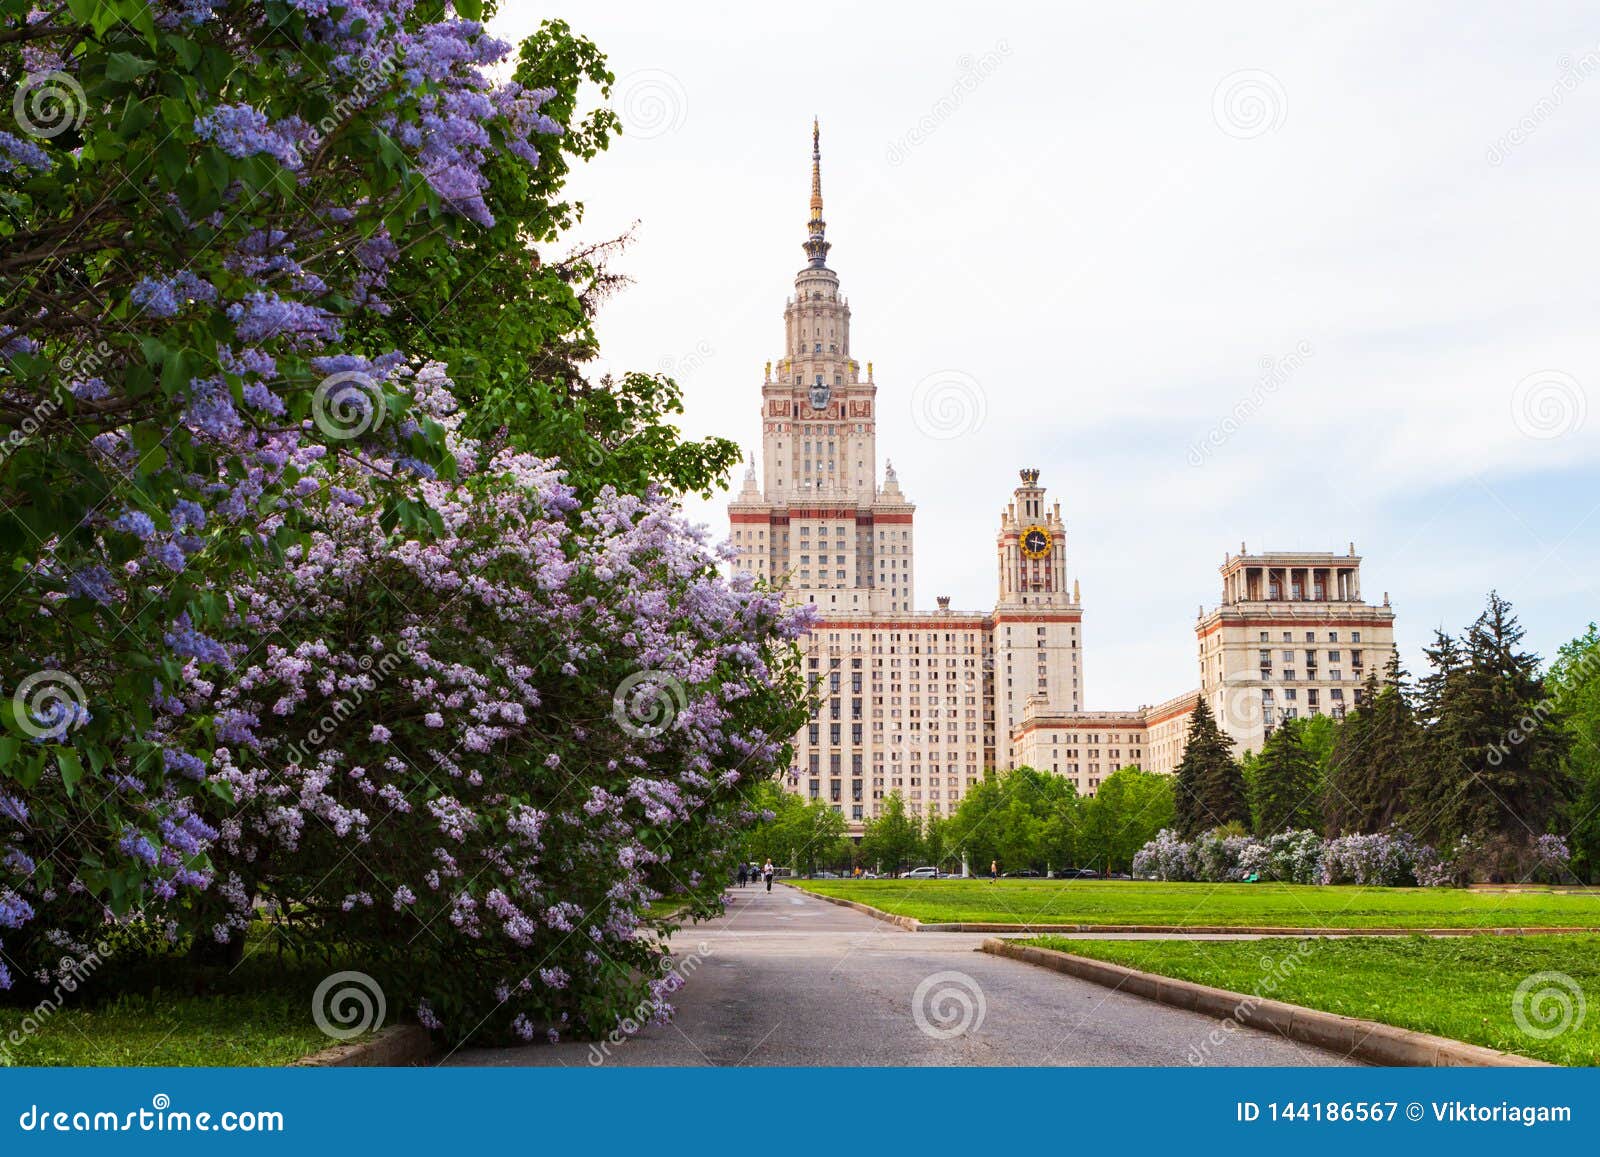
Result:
x=1287 y=783
x=1210 y=790
x=1509 y=758
x=1374 y=759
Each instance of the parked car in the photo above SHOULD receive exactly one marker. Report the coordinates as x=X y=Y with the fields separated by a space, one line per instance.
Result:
x=927 y=873
x=1024 y=874
x=824 y=875
x=1078 y=874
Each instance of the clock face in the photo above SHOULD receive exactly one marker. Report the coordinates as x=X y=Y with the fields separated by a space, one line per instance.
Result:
x=1036 y=542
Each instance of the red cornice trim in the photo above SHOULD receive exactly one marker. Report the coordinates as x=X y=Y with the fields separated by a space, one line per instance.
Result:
x=1174 y=714
x=1377 y=620
x=961 y=624
x=861 y=516
x=1080 y=725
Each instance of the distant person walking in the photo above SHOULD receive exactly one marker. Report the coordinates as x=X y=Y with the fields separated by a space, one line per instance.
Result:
x=994 y=870
x=766 y=874
x=744 y=874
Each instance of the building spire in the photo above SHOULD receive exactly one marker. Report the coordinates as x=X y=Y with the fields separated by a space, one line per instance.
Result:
x=816 y=245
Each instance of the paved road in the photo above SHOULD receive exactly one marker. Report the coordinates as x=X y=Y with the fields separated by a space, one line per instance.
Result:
x=786 y=979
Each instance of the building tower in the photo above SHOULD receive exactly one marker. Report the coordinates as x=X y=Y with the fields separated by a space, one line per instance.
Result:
x=818 y=518
x=1292 y=638
x=1038 y=643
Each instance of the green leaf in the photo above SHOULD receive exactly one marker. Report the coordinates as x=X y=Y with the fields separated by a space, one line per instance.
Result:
x=124 y=66
x=71 y=769
x=30 y=770
x=8 y=750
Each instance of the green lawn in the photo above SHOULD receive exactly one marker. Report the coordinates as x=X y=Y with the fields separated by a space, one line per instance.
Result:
x=166 y=1011
x=1458 y=987
x=1037 y=902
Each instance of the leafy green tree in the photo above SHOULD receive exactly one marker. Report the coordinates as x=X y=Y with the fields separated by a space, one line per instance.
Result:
x=936 y=843
x=891 y=839
x=1317 y=735
x=1124 y=815
x=516 y=327
x=1007 y=818
x=767 y=839
x=816 y=836
x=1286 y=793
x=1210 y=789
x=971 y=830
x=1063 y=838
x=1574 y=683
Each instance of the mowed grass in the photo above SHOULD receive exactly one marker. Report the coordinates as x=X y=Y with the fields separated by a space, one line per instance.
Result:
x=153 y=1030
x=1043 y=902
x=165 y=1011
x=1462 y=987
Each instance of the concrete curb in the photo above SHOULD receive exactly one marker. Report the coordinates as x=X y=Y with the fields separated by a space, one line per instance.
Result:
x=1248 y=930
x=1367 y=1040
x=910 y=924
x=398 y=1046
x=903 y=922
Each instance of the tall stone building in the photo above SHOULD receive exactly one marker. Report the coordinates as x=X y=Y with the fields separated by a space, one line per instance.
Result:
x=1291 y=638
x=924 y=702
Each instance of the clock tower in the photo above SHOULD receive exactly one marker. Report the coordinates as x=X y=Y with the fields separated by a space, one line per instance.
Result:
x=1038 y=631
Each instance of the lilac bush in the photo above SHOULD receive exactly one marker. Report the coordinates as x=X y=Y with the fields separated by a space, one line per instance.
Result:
x=499 y=795
x=1217 y=856
x=1293 y=857
x=1389 y=859
x=1167 y=857
x=433 y=745
x=1383 y=858
x=1551 y=856
x=237 y=181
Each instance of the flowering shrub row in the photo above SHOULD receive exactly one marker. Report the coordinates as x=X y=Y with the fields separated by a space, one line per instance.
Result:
x=1386 y=859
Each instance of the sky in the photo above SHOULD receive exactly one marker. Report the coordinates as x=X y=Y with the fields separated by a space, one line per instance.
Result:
x=1276 y=274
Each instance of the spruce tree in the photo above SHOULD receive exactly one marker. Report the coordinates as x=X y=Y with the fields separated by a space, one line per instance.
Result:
x=1341 y=813
x=1377 y=758
x=1210 y=787
x=1433 y=797
x=1512 y=742
x=1287 y=783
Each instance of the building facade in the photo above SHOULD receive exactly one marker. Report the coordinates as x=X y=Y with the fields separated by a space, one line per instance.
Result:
x=924 y=702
